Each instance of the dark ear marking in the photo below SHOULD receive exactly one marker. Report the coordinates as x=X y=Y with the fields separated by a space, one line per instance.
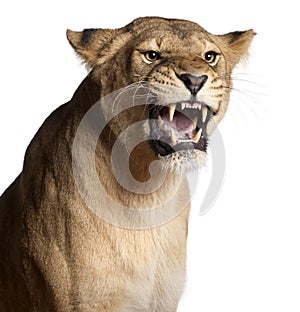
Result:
x=86 y=35
x=235 y=35
x=238 y=36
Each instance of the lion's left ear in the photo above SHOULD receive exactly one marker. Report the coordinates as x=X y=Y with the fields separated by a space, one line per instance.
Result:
x=236 y=45
x=89 y=43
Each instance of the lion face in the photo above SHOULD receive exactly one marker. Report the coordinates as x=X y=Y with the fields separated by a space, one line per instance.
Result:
x=184 y=70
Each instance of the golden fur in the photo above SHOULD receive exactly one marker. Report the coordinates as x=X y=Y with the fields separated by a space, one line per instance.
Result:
x=56 y=253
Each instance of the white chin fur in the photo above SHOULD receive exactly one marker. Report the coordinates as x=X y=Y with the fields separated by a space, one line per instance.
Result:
x=183 y=161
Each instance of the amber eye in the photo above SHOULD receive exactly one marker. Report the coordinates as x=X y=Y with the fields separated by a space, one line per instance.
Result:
x=211 y=57
x=151 y=56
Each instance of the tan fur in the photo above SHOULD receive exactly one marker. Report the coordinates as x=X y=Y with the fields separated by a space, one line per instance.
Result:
x=56 y=253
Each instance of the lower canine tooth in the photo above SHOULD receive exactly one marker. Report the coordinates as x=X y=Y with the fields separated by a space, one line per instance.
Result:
x=173 y=137
x=159 y=120
x=172 y=108
x=195 y=123
x=197 y=136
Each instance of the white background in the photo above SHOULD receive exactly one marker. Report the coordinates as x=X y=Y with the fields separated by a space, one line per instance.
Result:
x=243 y=254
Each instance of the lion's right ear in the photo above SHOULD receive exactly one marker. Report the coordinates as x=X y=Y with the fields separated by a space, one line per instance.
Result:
x=89 y=42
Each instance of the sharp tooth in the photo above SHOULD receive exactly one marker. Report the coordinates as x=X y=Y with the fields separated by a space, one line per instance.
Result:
x=182 y=106
x=173 y=137
x=204 y=113
x=197 y=136
x=165 y=127
x=172 y=108
x=159 y=120
x=195 y=123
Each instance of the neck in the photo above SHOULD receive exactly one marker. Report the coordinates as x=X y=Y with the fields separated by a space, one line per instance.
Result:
x=138 y=192
x=86 y=95
x=132 y=179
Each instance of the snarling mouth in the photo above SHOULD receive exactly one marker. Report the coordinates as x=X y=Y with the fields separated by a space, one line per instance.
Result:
x=180 y=126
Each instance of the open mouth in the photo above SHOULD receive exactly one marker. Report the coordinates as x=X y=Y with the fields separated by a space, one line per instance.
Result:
x=180 y=126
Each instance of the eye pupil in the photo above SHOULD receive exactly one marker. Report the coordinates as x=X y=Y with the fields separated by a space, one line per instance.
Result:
x=208 y=56
x=211 y=57
x=152 y=56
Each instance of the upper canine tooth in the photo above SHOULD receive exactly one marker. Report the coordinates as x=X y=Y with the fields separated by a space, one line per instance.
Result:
x=204 y=113
x=197 y=136
x=172 y=108
x=182 y=106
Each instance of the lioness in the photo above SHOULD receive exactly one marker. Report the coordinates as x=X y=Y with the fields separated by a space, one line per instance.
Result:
x=79 y=239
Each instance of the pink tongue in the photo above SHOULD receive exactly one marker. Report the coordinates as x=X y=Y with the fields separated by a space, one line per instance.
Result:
x=180 y=121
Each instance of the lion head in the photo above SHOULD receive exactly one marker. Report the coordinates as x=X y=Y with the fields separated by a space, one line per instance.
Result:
x=183 y=71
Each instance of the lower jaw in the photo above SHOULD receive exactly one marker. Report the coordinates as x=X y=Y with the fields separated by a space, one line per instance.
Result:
x=182 y=161
x=163 y=148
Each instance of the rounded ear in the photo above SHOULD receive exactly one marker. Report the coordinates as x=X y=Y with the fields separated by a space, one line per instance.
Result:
x=235 y=45
x=89 y=42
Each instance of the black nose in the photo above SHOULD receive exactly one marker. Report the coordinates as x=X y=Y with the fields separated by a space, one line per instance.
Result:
x=193 y=83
